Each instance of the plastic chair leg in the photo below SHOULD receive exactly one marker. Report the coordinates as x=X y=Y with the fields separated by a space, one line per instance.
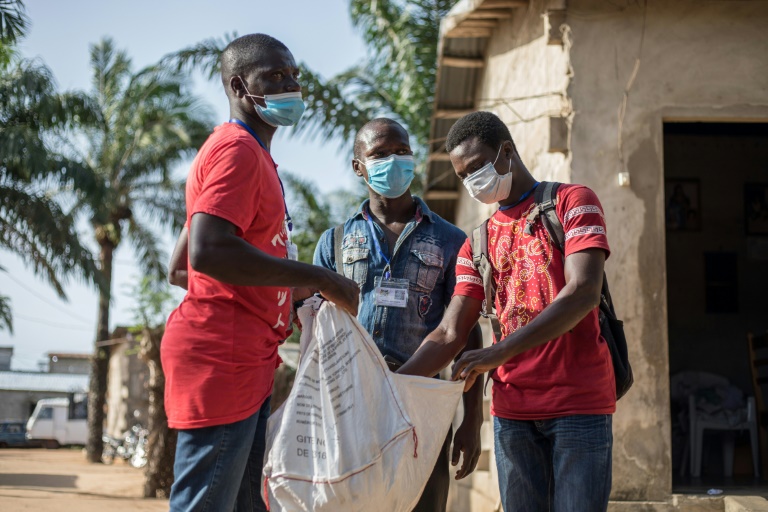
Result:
x=729 y=444
x=755 y=449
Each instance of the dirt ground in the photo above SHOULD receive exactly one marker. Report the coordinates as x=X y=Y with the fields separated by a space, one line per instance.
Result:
x=61 y=481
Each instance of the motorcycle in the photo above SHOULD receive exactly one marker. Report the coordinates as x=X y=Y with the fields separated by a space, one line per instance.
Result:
x=132 y=447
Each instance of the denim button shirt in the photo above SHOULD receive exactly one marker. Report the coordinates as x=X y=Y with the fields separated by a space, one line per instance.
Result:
x=425 y=254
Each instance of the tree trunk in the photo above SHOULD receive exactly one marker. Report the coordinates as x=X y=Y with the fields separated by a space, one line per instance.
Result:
x=97 y=388
x=162 y=440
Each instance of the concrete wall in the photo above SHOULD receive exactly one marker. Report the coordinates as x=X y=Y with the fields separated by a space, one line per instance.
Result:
x=63 y=364
x=126 y=389
x=697 y=60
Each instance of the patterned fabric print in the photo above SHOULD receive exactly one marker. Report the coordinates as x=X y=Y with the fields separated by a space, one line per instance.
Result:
x=465 y=262
x=585 y=230
x=469 y=279
x=520 y=272
x=581 y=210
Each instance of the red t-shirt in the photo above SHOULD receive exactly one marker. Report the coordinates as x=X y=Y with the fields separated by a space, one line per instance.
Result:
x=572 y=374
x=219 y=350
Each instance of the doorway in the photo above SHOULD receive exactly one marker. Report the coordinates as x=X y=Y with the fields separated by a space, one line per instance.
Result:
x=716 y=214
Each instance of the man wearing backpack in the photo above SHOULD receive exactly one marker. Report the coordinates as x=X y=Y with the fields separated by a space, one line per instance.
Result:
x=403 y=257
x=553 y=383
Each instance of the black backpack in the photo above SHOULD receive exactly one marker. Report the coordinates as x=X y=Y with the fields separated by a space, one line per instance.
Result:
x=611 y=328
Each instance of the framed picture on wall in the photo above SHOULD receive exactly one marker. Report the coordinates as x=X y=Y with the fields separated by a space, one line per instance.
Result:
x=756 y=208
x=682 y=207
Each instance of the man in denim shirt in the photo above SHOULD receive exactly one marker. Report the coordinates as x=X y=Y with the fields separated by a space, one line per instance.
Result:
x=403 y=257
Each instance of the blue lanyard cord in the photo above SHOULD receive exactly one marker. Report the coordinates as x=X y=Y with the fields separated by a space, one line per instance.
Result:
x=288 y=220
x=378 y=246
x=522 y=198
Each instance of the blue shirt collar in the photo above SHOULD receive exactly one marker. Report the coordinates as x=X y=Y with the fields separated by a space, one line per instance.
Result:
x=421 y=210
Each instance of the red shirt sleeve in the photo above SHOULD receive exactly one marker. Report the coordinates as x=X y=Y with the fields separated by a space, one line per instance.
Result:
x=583 y=222
x=469 y=283
x=230 y=188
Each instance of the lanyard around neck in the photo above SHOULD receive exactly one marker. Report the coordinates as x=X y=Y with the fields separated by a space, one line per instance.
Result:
x=288 y=220
x=378 y=246
x=522 y=198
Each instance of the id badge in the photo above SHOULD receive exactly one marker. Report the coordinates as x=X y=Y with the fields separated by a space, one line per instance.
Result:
x=293 y=251
x=391 y=292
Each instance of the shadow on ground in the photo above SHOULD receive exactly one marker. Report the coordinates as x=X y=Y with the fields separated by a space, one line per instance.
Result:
x=38 y=480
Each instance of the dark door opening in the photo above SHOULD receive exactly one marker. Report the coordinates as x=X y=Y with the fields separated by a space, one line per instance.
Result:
x=716 y=214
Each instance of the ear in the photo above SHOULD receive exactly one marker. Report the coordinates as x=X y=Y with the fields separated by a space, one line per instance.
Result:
x=237 y=87
x=509 y=149
x=359 y=169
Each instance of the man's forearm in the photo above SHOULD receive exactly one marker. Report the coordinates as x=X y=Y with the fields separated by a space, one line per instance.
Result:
x=237 y=262
x=559 y=317
x=473 y=398
x=436 y=352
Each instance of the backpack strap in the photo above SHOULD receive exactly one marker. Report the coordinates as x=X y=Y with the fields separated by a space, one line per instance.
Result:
x=338 y=255
x=482 y=263
x=545 y=207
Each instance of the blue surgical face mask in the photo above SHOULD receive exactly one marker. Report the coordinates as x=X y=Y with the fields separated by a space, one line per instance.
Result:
x=281 y=110
x=391 y=176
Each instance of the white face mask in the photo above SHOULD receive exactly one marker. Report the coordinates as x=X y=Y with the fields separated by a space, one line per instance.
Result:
x=488 y=186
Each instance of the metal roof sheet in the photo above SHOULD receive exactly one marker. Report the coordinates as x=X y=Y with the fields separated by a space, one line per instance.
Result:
x=38 y=381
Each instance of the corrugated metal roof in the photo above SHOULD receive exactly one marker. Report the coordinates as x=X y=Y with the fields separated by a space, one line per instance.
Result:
x=38 y=381
x=464 y=34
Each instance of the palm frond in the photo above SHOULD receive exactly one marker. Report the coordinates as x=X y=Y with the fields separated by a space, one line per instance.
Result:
x=14 y=21
x=34 y=227
x=6 y=316
x=148 y=250
x=203 y=56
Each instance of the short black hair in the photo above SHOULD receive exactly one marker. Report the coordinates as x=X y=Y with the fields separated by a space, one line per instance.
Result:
x=357 y=149
x=237 y=59
x=486 y=126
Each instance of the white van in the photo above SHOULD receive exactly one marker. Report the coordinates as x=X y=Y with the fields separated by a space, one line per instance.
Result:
x=55 y=423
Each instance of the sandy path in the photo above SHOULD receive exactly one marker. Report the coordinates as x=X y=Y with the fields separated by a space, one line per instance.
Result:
x=61 y=480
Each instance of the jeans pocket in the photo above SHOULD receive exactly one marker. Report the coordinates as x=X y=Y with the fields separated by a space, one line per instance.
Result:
x=356 y=264
x=424 y=268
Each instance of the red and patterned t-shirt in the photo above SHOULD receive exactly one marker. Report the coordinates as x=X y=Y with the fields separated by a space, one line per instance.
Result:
x=572 y=374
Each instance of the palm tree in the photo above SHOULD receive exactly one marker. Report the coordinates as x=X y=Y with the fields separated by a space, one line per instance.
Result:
x=149 y=122
x=32 y=113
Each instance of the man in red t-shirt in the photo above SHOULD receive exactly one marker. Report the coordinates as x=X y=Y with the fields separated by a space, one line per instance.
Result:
x=553 y=385
x=219 y=351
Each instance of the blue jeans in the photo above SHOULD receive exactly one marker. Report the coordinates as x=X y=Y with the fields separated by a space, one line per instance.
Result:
x=218 y=469
x=559 y=465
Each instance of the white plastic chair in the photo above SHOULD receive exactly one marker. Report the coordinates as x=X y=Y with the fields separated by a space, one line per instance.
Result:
x=699 y=423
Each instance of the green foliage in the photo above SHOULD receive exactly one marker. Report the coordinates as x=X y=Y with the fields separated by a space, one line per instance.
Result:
x=315 y=213
x=32 y=223
x=6 y=318
x=397 y=78
x=154 y=302
x=14 y=21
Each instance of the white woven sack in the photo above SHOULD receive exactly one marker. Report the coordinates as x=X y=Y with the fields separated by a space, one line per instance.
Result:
x=353 y=436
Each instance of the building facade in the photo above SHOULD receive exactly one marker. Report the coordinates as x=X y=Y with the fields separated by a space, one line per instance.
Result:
x=652 y=104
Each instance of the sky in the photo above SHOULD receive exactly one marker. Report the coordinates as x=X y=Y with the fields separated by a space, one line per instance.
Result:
x=318 y=33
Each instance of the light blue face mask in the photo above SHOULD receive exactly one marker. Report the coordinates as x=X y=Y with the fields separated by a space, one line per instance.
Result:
x=390 y=177
x=281 y=110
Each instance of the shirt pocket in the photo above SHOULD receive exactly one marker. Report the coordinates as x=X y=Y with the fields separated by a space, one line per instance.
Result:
x=356 y=264
x=424 y=269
